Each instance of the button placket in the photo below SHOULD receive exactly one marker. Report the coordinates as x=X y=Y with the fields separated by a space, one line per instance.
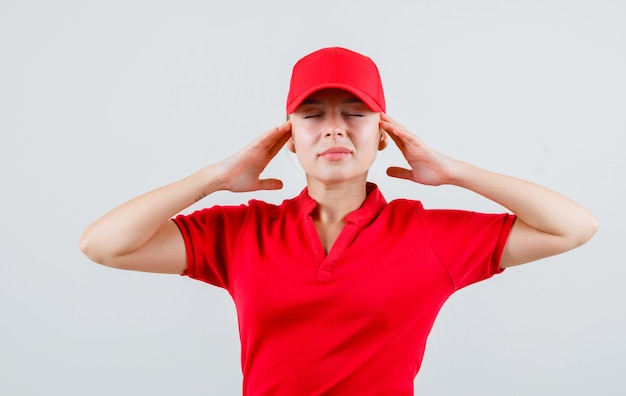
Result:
x=345 y=238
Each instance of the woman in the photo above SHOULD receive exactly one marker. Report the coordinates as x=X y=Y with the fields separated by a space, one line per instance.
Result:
x=336 y=290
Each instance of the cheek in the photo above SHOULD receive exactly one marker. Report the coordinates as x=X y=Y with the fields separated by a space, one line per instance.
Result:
x=371 y=138
x=301 y=138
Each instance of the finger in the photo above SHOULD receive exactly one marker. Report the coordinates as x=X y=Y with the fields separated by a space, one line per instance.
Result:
x=285 y=133
x=398 y=139
x=270 y=184
x=389 y=128
x=285 y=126
x=385 y=117
x=400 y=173
x=275 y=134
x=394 y=127
x=400 y=135
x=274 y=139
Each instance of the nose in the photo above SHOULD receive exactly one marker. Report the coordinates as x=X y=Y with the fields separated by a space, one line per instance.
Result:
x=334 y=132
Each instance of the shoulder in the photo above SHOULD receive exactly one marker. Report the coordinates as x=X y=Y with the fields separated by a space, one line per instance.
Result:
x=253 y=208
x=404 y=205
x=269 y=208
x=443 y=219
x=401 y=214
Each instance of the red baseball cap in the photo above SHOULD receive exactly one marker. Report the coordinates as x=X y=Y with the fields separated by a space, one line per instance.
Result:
x=336 y=67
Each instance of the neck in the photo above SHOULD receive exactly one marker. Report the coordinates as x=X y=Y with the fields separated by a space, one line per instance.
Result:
x=335 y=202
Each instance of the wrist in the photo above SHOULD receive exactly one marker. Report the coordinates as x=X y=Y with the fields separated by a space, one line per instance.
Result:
x=207 y=181
x=461 y=174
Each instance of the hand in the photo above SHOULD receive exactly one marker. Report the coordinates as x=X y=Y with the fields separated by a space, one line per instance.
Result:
x=427 y=166
x=241 y=171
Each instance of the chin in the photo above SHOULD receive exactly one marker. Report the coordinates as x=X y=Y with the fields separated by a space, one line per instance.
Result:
x=337 y=178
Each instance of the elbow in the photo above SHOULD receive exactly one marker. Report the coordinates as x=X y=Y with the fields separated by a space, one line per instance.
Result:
x=586 y=231
x=93 y=249
x=87 y=246
x=592 y=228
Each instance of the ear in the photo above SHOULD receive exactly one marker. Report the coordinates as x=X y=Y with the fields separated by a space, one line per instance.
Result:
x=383 y=140
x=290 y=145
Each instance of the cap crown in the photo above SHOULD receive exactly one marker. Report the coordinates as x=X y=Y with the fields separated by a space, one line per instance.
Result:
x=336 y=67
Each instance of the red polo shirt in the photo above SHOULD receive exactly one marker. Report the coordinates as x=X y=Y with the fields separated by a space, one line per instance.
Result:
x=355 y=321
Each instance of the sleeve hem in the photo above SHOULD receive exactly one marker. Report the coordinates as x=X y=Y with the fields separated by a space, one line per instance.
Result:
x=504 y=236
x=191 y=270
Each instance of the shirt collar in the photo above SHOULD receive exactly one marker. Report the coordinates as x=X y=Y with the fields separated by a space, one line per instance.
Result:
x=373 y=204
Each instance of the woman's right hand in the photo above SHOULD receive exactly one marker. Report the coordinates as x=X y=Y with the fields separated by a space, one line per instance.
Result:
x=241 y=172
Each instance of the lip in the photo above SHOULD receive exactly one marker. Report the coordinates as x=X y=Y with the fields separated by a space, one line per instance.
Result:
x=335 y=153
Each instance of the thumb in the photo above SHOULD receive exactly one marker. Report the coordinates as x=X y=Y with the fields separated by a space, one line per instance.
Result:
x=400 y=173
x=270 y=184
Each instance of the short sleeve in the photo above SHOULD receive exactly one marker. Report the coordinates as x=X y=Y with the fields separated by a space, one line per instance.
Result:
x=469 y=244
x=210 y=237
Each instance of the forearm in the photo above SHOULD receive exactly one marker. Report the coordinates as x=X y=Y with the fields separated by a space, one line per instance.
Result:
x=537 y=206
x=129 y=226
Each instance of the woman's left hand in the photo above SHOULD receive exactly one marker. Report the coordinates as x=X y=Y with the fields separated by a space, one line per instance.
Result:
x=426 y=165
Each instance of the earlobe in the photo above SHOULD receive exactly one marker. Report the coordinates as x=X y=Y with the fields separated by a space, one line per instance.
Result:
x=383 y=140
x=291 y=146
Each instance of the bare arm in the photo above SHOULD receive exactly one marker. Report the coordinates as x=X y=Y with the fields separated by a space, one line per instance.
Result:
x=139 y=235
x=547 y=222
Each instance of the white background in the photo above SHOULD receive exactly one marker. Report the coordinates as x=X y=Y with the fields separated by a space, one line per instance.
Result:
x=103 y=100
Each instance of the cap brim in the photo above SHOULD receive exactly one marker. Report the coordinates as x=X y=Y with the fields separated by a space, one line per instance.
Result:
x=297 y=101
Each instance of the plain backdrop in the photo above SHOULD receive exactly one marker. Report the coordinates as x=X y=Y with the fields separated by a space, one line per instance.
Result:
x=103 y=100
